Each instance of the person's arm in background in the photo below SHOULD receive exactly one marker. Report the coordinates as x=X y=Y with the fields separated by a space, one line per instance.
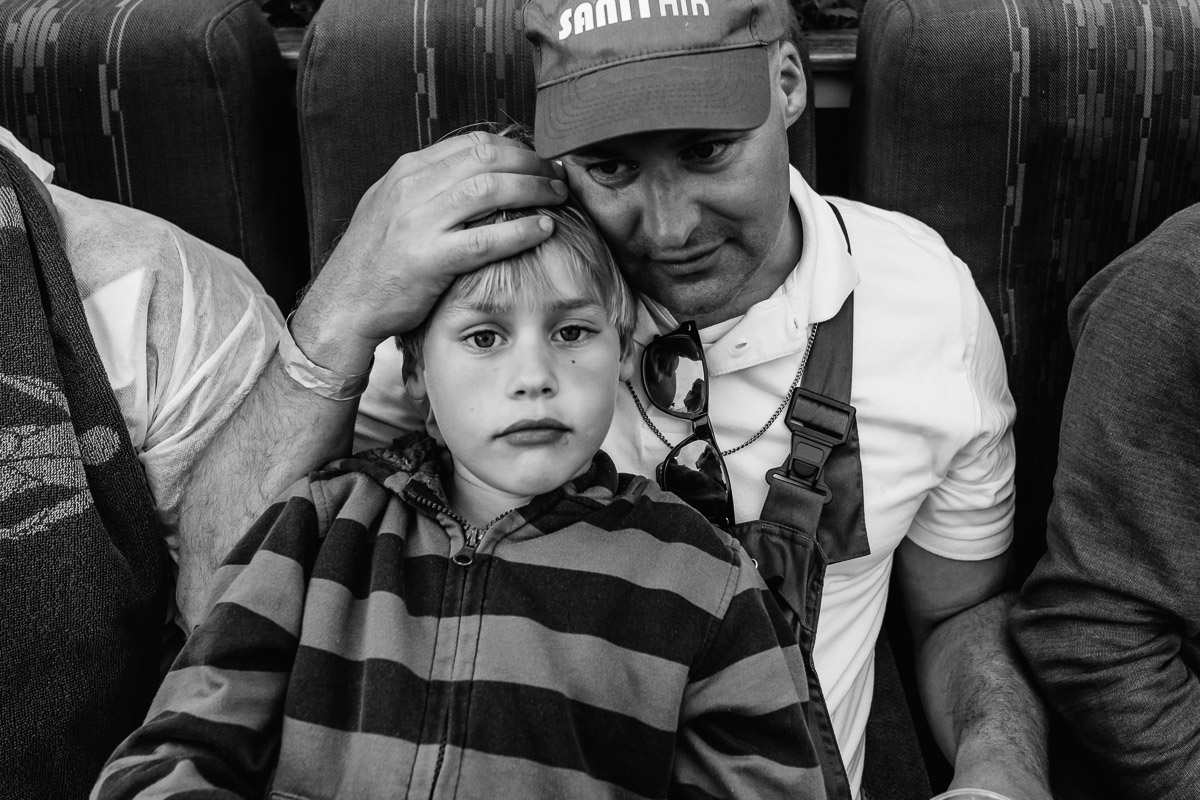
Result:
x=405 y=243
x=981 y=707
x=1110 y=618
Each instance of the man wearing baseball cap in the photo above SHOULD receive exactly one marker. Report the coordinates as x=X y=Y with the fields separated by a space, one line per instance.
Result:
x=848 y=356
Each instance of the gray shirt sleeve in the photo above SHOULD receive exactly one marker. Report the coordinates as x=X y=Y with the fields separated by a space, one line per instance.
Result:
x=1110 y=618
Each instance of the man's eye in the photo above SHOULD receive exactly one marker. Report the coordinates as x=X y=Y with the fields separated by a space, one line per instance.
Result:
x=608 y=171
x=483 y=339
x=707 y=151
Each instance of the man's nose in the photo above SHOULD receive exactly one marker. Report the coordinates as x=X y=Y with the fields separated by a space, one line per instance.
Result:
x=533 y=371
x=669 y=212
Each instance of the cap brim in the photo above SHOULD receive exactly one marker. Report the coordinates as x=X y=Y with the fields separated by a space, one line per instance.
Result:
x=726 y=90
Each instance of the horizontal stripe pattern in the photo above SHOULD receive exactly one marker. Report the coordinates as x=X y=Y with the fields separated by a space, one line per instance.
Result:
x=598 y=646
x=630 y=554
x=566 y=661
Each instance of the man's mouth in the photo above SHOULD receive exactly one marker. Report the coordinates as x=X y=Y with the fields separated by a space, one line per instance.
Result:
x=685 y=259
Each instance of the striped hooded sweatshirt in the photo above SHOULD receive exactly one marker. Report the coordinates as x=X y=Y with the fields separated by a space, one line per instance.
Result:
x=602 y=641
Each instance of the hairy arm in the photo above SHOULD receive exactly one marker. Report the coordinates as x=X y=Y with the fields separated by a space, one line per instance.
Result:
x=405 y=243
x=985 y=716
x=279 y=432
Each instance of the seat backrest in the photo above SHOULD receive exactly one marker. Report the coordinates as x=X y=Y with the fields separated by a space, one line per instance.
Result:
x=1041 y=138
x=378 y=79
x=181 y=109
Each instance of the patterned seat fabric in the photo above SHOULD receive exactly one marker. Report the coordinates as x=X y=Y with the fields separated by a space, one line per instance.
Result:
x=177 y=108
x=1041 y=139
x=379 y=79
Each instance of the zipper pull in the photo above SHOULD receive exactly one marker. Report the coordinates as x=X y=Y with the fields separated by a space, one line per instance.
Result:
x=466 y=554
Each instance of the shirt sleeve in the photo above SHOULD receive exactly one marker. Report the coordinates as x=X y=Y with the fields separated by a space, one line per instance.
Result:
x=968 y=515
x=213 y=729
x=228 y=330
x=742 y=725
x=183 y=330
x=1110 y=618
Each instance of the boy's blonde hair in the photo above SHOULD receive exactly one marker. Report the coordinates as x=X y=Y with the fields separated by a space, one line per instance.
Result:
x=526 y=276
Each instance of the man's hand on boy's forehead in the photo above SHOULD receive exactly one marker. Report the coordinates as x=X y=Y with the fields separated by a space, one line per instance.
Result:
x=409 y=238
x=492 y=173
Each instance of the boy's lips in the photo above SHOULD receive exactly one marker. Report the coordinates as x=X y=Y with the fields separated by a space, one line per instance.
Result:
x=534 y=431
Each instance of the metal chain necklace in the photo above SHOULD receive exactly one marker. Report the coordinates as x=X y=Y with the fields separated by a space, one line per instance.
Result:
x=812 y=334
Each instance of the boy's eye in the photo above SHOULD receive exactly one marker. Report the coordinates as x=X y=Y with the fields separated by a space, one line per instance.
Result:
x=575 y=334
x=483 y=339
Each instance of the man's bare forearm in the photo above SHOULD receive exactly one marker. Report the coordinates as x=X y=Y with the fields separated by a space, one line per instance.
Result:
x=982 y=708
x=278 y=433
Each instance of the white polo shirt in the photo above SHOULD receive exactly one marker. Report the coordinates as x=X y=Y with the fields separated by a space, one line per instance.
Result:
x=933 y=408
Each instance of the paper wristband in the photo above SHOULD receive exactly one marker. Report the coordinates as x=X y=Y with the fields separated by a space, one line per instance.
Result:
x=325 y=382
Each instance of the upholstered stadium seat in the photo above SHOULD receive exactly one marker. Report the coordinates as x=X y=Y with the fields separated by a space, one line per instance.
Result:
x=181 y=109
x=379 y=79
x=1041 y=138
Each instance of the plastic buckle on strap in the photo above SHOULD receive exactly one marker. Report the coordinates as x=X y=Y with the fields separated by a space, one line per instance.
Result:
x=818 y=424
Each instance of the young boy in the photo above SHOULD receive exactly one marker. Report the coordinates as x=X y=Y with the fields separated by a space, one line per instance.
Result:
x=504 y=617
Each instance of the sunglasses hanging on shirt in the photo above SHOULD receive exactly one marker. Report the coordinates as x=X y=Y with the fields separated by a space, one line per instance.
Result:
x=675 y=375
x=676 y=378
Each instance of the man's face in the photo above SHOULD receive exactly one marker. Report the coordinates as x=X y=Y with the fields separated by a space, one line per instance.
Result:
x=697 y=220
x=523 y=393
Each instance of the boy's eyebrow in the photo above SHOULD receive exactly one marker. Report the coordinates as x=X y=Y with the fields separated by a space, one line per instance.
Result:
x=487 y=305
x=572 y=303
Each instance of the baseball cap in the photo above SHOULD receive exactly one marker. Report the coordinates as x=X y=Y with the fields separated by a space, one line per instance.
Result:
x=608 y=68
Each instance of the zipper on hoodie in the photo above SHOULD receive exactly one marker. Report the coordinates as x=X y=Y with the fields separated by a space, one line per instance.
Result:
x=445 y=740
x=471 y=537
x=464 y=558
x=465 y=555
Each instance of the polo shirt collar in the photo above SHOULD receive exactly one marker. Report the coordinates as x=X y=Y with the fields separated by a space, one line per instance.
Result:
x=777 y=326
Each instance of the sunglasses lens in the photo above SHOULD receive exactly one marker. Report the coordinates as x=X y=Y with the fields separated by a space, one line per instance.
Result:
x=696 y=472
x=673 y=371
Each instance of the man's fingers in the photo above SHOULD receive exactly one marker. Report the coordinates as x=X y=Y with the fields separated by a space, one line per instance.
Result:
x=472 y=248
x=448 y=147
x=455 y=182
x=501 y=156
x=483 y=194
x=479 y=152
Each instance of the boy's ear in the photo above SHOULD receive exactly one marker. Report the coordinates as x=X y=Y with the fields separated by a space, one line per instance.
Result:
x=627 y=365
x=791 y=82
x=415 y=384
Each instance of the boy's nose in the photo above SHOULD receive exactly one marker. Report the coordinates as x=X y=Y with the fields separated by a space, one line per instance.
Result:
x=533 y=373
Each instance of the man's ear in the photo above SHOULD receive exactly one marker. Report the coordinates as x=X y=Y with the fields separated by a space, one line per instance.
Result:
x=627 y=364
x=792 y=84
x=415 y=384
